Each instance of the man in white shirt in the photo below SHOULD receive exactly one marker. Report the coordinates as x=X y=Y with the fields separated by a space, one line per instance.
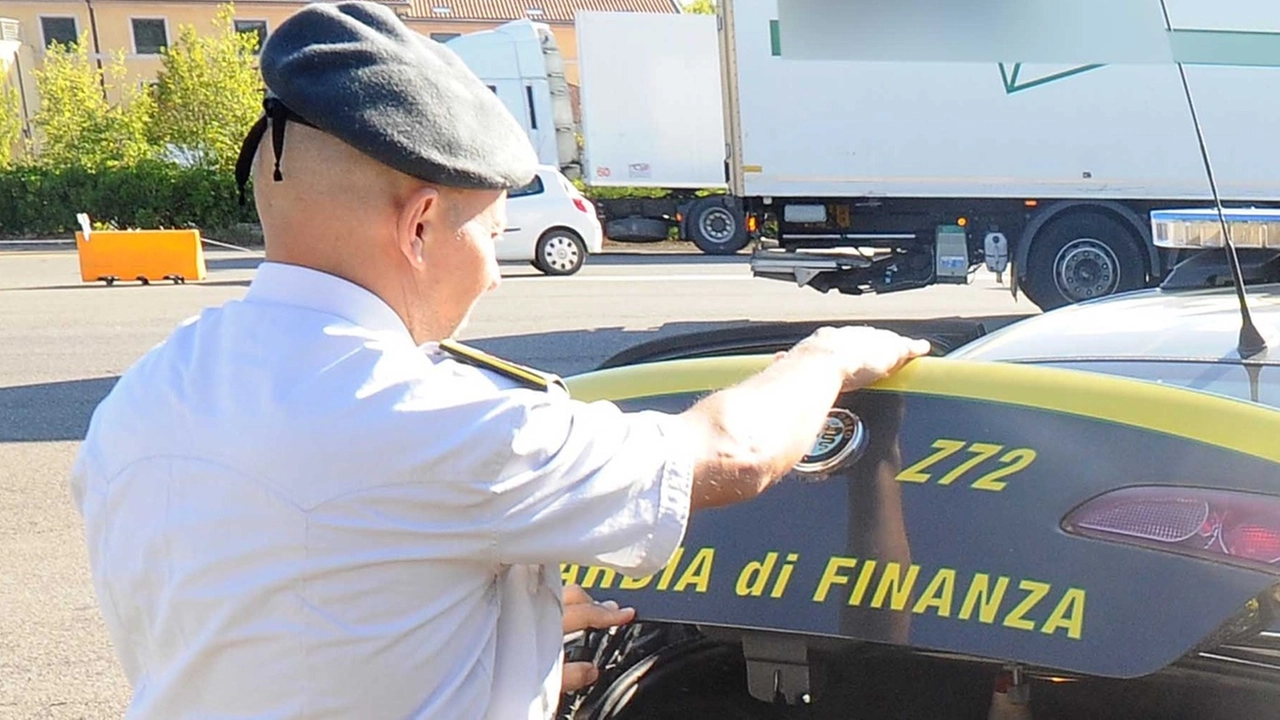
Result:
x=300 y=506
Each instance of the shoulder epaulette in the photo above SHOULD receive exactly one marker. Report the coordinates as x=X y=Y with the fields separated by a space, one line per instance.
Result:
x=535 y=379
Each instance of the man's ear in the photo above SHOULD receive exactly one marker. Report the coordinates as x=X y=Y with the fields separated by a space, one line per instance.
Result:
x=419 y=214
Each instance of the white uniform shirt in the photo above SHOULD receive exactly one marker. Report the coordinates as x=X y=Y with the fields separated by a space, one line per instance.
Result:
x=293 y=511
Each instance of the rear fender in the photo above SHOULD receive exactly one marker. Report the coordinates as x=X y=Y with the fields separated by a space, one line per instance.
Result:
x=943 y=530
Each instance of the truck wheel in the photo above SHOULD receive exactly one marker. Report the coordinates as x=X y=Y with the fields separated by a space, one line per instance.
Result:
x=559 y=252
x=1080 y=257
x=717 y=227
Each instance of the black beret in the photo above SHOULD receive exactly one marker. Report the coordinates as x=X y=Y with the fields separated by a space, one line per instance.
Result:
x=355 y=71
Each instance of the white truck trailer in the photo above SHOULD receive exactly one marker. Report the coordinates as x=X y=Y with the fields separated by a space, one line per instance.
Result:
x=889 y=146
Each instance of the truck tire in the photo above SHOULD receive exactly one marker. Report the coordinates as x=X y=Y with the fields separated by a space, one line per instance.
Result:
x=1081 y=256
x=717 y=226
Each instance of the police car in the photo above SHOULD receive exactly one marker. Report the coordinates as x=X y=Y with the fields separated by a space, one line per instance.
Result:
x=1073 y=514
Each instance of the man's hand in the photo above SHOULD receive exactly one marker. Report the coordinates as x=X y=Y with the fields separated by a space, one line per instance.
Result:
x=581 y=613
x=748 y=436
x=862 y=355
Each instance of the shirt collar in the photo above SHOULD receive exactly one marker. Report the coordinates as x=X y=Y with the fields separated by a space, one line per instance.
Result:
x=294 y=285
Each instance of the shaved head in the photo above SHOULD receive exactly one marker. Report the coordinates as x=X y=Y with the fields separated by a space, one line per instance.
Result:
x=321 y=171
x=425 y=249
x=412 y=217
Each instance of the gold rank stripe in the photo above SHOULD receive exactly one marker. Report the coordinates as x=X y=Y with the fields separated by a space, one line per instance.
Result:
x=528 y=376
x=1225 y=422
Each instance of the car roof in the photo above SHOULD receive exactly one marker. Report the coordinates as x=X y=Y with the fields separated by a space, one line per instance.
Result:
x=1178 y=325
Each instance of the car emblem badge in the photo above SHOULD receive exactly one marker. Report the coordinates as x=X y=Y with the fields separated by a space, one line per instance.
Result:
x=841 y=436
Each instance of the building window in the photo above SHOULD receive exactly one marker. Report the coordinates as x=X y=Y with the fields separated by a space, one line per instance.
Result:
x=257 y=28
x=61 y=30
x=442 y=37
x=150 y=35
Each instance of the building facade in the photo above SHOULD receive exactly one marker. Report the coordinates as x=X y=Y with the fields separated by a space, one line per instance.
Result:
x=140 y=29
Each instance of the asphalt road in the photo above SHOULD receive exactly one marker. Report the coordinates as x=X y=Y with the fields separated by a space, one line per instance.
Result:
x=63 y=343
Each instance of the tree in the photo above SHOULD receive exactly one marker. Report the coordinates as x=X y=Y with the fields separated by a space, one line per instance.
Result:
x=702 y=7
x=10 y=123
x=77 y=124
x=208 y=92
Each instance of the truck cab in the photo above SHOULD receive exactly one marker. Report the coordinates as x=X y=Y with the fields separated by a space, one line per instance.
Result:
x=521 y=62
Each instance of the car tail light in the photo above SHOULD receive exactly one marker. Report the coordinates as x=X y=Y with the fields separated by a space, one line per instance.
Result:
x=1235 y=527
x=581 y=204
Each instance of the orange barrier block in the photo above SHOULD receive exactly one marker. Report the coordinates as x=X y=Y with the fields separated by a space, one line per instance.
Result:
x=142 y=255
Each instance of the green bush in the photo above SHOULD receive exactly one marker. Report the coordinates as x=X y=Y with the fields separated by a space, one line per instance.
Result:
x=208 y=91
x=623 y=192
x=10 y=123
x=40 y=201
x=107 y=159
x=76 y=125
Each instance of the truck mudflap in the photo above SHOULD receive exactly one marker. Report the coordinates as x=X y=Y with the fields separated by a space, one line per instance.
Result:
x=851 y=271
x=1061 y=519
x=802 y=267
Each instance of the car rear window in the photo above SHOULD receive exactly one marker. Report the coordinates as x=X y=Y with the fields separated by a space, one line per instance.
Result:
x=533 y=188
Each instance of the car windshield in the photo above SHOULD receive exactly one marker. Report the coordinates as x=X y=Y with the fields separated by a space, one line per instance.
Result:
x=1226 y=379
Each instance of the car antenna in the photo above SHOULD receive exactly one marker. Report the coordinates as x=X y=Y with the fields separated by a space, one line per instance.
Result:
x=1251 y=341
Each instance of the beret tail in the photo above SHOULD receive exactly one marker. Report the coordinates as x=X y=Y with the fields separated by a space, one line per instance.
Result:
x=244 y=163
x=279 y=116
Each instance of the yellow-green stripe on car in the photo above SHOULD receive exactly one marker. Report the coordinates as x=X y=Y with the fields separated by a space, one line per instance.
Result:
x=1202 y=417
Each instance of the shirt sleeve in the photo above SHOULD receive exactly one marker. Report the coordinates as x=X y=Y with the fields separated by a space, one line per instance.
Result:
x=587 y=483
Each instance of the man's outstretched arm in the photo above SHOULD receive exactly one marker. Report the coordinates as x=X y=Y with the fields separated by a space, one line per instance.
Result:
x=748 y=436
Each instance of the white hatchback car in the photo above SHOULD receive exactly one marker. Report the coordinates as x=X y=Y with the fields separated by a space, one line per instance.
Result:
x=550 y=224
